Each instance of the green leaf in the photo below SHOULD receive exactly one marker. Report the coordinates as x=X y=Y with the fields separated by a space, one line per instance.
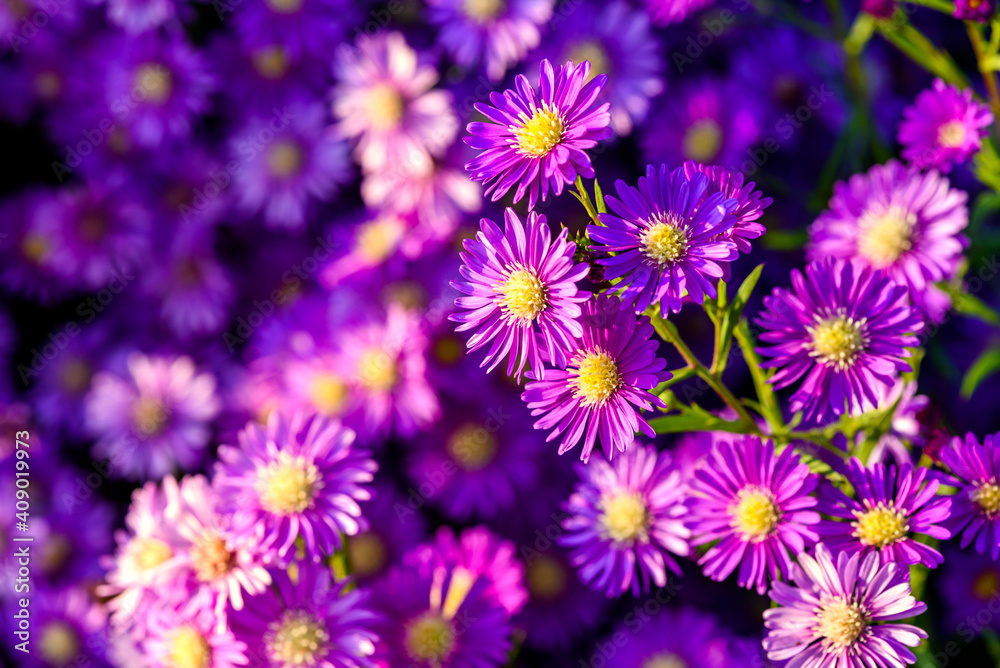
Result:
x=698 y=420
x=987 y=364
x=969 y=305
x=599 y=198
x=731 y=316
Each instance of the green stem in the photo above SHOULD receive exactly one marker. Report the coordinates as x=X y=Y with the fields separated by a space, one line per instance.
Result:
x=980 y=49
x=939 y=5
x=584 y=198
x=922 y=51
x=765 y=391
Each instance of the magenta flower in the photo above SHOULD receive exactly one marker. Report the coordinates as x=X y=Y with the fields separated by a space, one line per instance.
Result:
x=750 y=203
x=975 y=509
x=843 y=326
x=611 y=369
x=665 y=12
x=626 y=521
x=836 y=614
x=891 y=506
x=943 y=128
x=974 y=10
x=755 y=506
x=521 y=291
x=536 y=139
x=668 y=238
x=186 y=638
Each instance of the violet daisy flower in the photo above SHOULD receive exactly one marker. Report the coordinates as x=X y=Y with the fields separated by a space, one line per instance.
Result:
x=298 y=477
x=968 y=584
x=668 y=237
x=311 y=620
x=750 y=203
x=897 y=219
x=755 y=505
x=626 y=522
x=394 y=528
x=975 y=509
x=521 y=292
x=136 y=16
x=943 y=128
x=843 y=326
x=304 y=28
x=68 y=628
x=191 y=638
x=536 y=139
x=892 y=505
x=665 y=12
x=611 y=369
x=496 y=33
x=974 y=10
x=837 y=613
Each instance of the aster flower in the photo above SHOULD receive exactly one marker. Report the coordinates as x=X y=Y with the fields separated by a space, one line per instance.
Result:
x=626 y=522
x=969 y=583
x=185 y=638
x=755 y=506
x=521 y=293
x=26 y=265
x=899 y=220
x=843 y=326
x=304 y=28
x=298 y=477
x=975 y=509
x=750 y=203
x=665 y=12
x=394 y=528
x=68 y=628
x=153 y=419
x=943 y=128
x=536 y=139
x=135 y=17
x=611 y=369
x=312 y=620
x=837 y=613
x=261 y=77
x=907 y=428
x=366 y=246
x=891 y=506
x=974 y=10
x=668 y=236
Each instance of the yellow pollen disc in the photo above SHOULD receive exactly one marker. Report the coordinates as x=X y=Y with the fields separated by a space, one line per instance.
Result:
x=189 y=649
x=986 y=585
x=448 y=350
x=664 y=241
x=538 y=135
x=58 y=643
x=285 y=6
x=429 y=638
x=702 y=140
x=837 y=341
x=378 y=239
x=297 y=639
x=755 y=515
x=625 y=517
x=327 y=393
x=880 y=526
x=150 y=552
x=841 y=623
x=366 y=554
x=211 y=558
x=592 y=52
x=284 y=159
x=155 y=81
x=48 y=85
x=483 y=11
x=885 y=234
x=596 y=378
x=987 y=495
x=148 y=416
x=472 y=447
x=665 y=660
x=288 y=485
x=546 y=578
x=524 y=295
x=377 y=370
x=35 y=247
x=271 y=62
x=75 y=376
x=952 y=134
x=385 y=106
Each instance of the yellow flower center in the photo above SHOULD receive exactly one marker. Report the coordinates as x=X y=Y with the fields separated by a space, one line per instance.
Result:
x=377 y=370
x=148 y=416
x=880 y=526
x=366 y=554
x=664 y=240
x=546 y=578
x=56 y=551
x=327 y=393
x=48 y=85
x=755 y=514
x=385 y=106
x=885 y=234
x=211 y=558
x=538 y=135
x=472 y=447
x=150 y=552
x=58 y=643
x=524 y=295
x=75 y=376
x=483 y=11
x=271 y=62
x=378 y=239
x=665 y=660
x=987 y=495
x=625 y=517
x=189 y=649
x=837 y=341
x=841 y=623
x=285 y=6
x=288 y=485
x=952 y=134
x=297 y=639
x=986 y=584
x=284 y=159
x=430 y=638
x=448 y=350
x=596 y=378
x=702 y=140
x=155 y=81
x=592 y=52
x=35 y=248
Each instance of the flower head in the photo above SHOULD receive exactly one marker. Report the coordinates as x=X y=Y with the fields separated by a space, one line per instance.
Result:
x=974 y=10
x=975 y=509
x=943 y=128
x=750 y=203
x=185 y=638
x=665 y=12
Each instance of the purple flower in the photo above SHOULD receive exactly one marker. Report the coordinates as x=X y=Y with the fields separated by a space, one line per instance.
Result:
x=302 y=28
x=897 y=219
x=312 y=621
x=521 y=292
x=668 y=236
x=906 y=425
x=836 y=613
x=300 y=477
x=750 y=203
x=26 y=265
x=891 y=506
x=191 y=638
x=755 y=507
x=626 y=522
x=68 y=627
x=665 y=12
x=136 y=16
x=969 y=584
x=974 y=10
x=943 y=128
x=843 y=326
x=611 y=369
x=883 y=9
x=496 y=33
x=975 y=509
x=393 y=529
x=536 y=139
